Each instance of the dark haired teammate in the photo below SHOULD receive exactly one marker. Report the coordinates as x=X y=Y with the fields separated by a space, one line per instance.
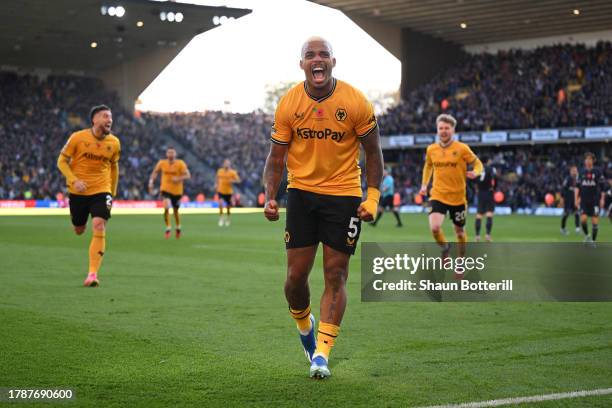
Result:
x=319 y=127
x=590 y=196
x=90 y=163
x=568 y=192
x=174 y=173
x=485 y=183
x=447 y=161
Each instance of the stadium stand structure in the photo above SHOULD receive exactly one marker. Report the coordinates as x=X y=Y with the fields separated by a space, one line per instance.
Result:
x=490 y=94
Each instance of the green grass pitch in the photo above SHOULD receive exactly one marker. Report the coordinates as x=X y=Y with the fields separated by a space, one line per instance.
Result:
x=202 y=321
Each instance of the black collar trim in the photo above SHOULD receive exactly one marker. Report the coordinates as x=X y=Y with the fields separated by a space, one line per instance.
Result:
x=321 y=99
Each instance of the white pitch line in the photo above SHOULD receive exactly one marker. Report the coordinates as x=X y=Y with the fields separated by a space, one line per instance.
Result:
x=522 y=400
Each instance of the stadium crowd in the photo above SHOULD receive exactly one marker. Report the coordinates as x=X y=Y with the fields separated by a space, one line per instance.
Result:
x=215 y=136
x=37 y=116
x=558 y=86
x=552 y=86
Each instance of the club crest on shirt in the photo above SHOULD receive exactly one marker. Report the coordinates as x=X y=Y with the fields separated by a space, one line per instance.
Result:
x=341 y=114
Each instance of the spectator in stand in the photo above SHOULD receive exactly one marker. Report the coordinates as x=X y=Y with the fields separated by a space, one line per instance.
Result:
x=559 y=86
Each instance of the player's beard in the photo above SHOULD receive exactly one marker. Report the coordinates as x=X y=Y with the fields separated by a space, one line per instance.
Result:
x=446 y=141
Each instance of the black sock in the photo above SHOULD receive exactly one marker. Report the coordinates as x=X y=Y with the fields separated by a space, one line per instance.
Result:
x=576 y=219
x=585 y=228
x=378 y=217
x=564 y=220
x=477 y=225
x=396 y=213
x=489 y=225
x=595 y=229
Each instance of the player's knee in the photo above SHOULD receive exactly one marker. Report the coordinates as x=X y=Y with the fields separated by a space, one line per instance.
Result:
x=98 y=225
x=80 y=230
x=435 y=228
x=296 y=278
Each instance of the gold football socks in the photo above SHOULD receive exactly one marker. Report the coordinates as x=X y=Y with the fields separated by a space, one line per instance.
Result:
x=440 y=238
x=167 y=218
x=326 y=337
x=96 y=250
x=302 y=319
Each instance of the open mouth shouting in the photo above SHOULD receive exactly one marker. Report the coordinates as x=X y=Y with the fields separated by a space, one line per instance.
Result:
x=319 y=74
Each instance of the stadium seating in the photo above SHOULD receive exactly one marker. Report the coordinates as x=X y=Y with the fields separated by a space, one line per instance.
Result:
x=565 y=85
x=559 y=86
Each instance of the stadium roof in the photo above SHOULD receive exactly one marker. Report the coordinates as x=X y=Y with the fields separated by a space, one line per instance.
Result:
x=58 y=34
x=486 y=21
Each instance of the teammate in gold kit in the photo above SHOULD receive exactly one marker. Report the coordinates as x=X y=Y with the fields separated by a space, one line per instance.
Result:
x=174 y=173
x=90 y=163
x=226 y=177
x=448 y=162
x=319 y=127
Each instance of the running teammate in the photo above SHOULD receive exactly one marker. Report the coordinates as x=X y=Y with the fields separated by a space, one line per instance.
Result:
x=90 y=163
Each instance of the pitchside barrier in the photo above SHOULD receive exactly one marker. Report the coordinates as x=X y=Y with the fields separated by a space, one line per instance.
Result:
x=504 y=137
x=23 y=207
x=499 y=210
x=54 y=207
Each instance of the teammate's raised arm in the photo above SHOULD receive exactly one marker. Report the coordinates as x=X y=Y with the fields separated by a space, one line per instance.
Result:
x=186 y=174
x=63 y=164
x=427 y=173
x=114 y=177
x=153 y=176
x=477 y=169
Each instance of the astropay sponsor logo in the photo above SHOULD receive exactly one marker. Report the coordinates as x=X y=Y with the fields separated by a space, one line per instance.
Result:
x=518 y=136
x=469 y=137
x=571 y=134
x=598 y=132
x=323 y=134
x=544 y=135
x=494 y=137
x=400 y=141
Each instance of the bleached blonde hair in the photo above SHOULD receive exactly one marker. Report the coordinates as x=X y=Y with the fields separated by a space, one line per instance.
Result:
x=313 y=39
x=446 y=118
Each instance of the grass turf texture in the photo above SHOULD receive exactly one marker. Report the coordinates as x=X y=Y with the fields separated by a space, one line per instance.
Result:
x=202 y=321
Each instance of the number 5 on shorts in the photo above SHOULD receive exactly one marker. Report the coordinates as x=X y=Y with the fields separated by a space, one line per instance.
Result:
x=353 y=227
